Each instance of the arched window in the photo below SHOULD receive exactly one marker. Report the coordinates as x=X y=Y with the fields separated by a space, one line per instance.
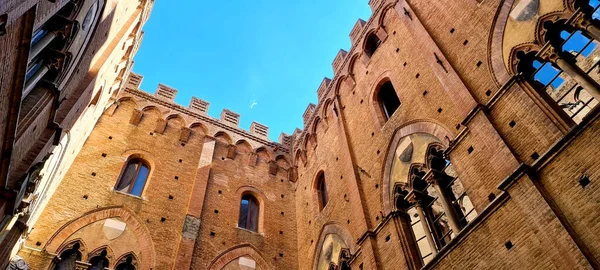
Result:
x=126 y=264
x=322 y=191
x=432 y=199
x=249 y=211
x=69 y=257
x=134 y=177
x=388 y=100
x=567 y=74
x=371 y=44
x=99 y=262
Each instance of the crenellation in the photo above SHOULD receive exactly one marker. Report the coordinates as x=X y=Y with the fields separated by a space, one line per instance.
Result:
x=310 y=109
x=323 y=88
x=230 y=118
x=259 y=129
x=198 y=105
x=356 y=31
x=338 y=61
x=374 y=4
x=165 y=92
x=285 y=140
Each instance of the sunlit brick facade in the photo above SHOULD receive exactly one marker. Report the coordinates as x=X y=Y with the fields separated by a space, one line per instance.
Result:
x=453 y=135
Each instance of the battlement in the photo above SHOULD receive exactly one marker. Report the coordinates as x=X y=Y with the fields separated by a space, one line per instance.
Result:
x=344 y=60
x=357 y=30
x=200 y=107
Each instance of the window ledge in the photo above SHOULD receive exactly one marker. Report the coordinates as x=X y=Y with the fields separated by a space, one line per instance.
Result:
x=129 y=195
x=250 y=231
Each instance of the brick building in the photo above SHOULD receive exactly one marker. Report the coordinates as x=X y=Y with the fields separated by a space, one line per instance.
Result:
x=453 y=135
x=61 y=63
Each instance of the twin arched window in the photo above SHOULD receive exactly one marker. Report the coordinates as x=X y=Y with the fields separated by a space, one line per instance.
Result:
x=388 y=100
x=134 y=176
x=249 y=213
x=568 y=73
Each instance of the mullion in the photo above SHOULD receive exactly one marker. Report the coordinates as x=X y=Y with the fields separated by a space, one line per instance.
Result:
x=583 y=107
x=137 y=172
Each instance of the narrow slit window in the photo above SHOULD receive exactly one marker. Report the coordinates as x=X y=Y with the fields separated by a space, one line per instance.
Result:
x=322 y=191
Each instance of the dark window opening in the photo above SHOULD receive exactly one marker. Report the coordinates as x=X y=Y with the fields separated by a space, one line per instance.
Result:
x=127 y=264
x=249 y=211
x=388 y=100
x=69 y=257
x=372 y=44
x=322 y=191
x=99 y=262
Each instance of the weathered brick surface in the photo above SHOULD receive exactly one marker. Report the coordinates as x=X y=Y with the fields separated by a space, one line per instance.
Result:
x=430 y=52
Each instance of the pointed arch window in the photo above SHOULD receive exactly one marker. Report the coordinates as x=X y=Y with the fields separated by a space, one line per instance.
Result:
x=322 y=191
x=388 y=100
x=127 y=263
x=565 y=69
x=99 y=262
x=371 y=44
x=134 y=177
x=249 y=212
x=432 y=202
x=69 y=258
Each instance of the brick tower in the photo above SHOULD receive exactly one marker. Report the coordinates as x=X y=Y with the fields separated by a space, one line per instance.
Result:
x=453 y=135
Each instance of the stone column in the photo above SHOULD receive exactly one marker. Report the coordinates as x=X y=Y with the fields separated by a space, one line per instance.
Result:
x=579 y=76
x=439 y=179
x=419 y=200
x=563 y=61
x=32 y=82
x=41 y=44
x=580 y=21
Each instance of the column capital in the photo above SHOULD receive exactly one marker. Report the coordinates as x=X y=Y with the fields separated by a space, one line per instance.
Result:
x=548 y=53
x=436 y=177
x=418 y=198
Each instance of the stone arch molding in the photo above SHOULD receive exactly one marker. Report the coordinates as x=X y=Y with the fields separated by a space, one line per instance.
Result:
x=417 y=126
x=236 y=252
x=338 y=229
x=142 y=233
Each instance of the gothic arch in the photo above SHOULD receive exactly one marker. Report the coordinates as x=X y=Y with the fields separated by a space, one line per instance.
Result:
x=138 y=153
x=120 y=103
x=83 y=250
x=514 y=61
x=224 y=136
x=141 y=231
x=109 y=253
x=496 y=43
x=333 y=227
x=235 y=252
x=282 y=161
x=152 y=110
x=352 y=62
x=383 y=13
x=243 y=146
x=263 y=149
x=550 y=17
x=412 y=127
x=339 y=83
x=177 y=117
x=199 y=126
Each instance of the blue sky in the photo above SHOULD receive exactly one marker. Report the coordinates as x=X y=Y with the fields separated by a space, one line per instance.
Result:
x=270 y=53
